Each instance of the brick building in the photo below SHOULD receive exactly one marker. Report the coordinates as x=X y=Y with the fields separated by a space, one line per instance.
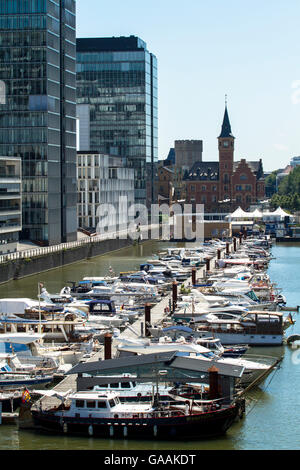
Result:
x=165 y=181
x=224 y=185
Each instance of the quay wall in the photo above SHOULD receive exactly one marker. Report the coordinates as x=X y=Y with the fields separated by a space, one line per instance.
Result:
x=24 y=267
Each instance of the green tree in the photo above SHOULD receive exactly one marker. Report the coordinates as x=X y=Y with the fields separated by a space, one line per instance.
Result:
x=288 y=196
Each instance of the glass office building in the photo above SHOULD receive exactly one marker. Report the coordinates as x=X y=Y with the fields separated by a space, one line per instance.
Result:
x=38 y=116
x=117 y=78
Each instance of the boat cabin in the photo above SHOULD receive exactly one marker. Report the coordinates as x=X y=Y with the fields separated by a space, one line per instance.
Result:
x=98 y=307
x=95 y=404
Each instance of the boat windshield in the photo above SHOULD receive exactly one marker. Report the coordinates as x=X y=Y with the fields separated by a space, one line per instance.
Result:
x=209 y=355
x=112 y=403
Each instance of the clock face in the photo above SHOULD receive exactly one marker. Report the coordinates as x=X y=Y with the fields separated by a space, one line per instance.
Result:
x=226 y=143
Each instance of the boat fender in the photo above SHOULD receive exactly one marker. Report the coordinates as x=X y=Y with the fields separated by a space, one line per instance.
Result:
x=155 y=430
x=111 y=431
x=91 y=430
x=125 y=431
x=116 y=416
x=139 y=396
x=65 y=428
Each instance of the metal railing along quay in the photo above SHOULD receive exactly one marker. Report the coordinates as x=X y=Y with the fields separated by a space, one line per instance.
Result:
x=40 y=251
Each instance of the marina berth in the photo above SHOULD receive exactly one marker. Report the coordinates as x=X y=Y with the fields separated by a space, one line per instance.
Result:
x=168 y=353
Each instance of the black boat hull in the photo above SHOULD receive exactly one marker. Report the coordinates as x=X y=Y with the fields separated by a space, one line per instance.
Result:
x=197 y=426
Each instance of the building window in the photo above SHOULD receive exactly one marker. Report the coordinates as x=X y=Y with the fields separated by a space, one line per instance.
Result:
x=203 y=188
x=243 y=177
x=192 y=188
x=248 y=187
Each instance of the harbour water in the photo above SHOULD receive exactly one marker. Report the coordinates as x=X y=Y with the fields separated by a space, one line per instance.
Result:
x=272 y=419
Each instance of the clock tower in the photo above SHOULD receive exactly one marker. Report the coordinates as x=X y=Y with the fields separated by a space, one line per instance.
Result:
x=226 y=152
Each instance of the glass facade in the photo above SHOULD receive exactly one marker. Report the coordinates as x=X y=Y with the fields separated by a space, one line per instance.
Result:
x=38 y=118
x=117 y=78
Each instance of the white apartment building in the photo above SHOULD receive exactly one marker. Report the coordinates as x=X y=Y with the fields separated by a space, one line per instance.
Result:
x=101 y=179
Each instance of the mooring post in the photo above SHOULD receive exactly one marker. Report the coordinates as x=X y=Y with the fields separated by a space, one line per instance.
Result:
x=234 y=244
x=213 y=383
x=174 y=292
x=147 y=319
x=219 y=254
x=194 y=274
x=207 y=264
x=227 y=248
x=107 y=346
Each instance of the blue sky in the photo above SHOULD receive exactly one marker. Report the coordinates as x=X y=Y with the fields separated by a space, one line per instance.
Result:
x=246 y=49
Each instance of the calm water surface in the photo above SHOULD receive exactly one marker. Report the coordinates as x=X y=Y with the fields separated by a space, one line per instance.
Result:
x=273 y=419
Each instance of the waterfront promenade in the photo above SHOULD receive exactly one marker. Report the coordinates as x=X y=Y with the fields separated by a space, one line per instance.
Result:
x=35 y=260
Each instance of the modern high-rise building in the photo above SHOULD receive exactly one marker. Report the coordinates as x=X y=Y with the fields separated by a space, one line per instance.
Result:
x=117 y=79
x=38 y=116
x=10 y=204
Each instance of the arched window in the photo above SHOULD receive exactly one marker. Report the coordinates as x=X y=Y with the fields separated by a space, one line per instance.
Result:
x=243 y=177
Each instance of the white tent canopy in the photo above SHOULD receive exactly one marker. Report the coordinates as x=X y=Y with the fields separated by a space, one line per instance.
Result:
x=257 y=214
x=281 y=212
x=239 y=213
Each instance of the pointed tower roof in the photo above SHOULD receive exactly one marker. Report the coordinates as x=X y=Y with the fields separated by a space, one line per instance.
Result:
x=226 y=127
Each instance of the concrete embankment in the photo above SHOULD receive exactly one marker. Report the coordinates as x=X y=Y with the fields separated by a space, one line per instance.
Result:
x=36 y=261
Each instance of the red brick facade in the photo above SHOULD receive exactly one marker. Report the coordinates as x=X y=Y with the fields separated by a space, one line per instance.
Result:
x=224 y=186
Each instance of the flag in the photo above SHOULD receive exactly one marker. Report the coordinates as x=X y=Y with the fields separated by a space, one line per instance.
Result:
x=26 y=397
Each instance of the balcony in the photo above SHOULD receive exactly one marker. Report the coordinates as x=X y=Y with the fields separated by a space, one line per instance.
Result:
x=13 y=227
